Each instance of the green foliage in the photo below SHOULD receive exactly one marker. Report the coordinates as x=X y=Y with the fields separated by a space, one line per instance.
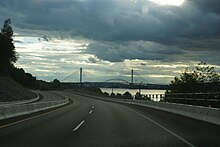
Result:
x=202 y=78
x=29 y=81
x=206 y=74
x=26 y=79
x=8 y=55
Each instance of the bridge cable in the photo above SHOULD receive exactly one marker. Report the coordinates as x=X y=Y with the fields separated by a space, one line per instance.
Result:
x=69 y=76
x=135 y=73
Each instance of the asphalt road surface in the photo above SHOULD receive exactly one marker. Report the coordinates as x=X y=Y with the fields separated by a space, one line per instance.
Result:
x=93 y=122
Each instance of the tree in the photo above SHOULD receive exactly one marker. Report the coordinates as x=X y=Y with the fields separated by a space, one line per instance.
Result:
x=56 y=84
x=8 y=55
x=105 y=94
x=202 y=78
x=112 y=94
x=138 y=96
x=119 y=95
x=26 y=79
x=206 y=73
x=127 y=95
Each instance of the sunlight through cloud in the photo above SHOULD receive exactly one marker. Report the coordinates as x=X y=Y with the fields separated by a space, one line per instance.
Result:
x=169 y=2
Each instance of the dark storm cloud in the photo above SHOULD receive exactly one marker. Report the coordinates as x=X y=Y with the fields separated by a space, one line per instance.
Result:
x=118 y=19
x=193 y=26
x=117 y=52
x=147 y=50
x=208 y=5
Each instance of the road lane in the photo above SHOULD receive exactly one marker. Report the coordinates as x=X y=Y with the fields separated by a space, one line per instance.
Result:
x=197 y=132
x=113 y=124
x=96 y=123
x=48 y=130
x=78 y=126
x=50 y=96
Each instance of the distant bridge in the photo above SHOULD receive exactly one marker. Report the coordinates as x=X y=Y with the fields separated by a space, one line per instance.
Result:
x=112 y=80
x=117 y=81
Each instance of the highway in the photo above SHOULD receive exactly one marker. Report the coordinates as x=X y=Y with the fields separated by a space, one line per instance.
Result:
x=93 y=122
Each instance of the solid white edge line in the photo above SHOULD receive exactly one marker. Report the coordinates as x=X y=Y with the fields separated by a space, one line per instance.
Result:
x=78 y=126
x=171 y=132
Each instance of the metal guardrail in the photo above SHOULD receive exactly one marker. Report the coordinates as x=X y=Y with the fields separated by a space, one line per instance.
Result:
x=198 y=99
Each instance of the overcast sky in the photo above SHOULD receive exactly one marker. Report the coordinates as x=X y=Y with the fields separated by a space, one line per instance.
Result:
x=108 y=38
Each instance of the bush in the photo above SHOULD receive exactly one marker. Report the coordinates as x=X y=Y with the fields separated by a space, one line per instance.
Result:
x=127 y=95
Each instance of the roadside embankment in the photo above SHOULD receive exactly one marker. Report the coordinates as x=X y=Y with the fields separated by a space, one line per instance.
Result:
x=9 y=103
x=13 y=91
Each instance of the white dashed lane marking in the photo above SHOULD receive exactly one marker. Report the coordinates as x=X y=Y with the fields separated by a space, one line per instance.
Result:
x=78 y=126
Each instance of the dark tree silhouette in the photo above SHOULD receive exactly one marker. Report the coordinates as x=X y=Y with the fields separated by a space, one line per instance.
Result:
x=8 y=55
x=202 y=78
x=112 y=94
x=138 y=96
x=56 y=84
x=127 y=95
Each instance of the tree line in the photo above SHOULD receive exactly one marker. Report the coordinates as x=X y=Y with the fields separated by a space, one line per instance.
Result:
x=200 y=79
x=9 y=56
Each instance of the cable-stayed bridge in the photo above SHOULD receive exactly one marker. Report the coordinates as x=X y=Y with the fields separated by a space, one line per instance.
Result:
x=83 y=74
x=131 y=80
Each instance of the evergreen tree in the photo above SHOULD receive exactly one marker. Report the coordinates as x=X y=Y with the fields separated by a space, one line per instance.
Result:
x=8 y=55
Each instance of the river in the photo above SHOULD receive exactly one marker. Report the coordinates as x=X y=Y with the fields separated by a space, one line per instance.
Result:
x=133 y=91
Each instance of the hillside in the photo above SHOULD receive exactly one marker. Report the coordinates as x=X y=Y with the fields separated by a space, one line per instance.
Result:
x=13 y=91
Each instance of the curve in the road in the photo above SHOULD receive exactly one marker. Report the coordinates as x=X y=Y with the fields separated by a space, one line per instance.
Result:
x=92 y=122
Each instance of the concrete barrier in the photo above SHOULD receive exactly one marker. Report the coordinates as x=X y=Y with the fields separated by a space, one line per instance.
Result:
x=211 y=115
x=8 y=111
x=20 y=102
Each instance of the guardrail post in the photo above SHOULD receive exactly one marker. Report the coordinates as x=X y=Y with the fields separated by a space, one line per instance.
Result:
x=156 y=97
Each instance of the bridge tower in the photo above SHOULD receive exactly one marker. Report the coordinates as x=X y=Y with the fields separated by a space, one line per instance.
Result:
x=80 y=75
x=132 y=76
